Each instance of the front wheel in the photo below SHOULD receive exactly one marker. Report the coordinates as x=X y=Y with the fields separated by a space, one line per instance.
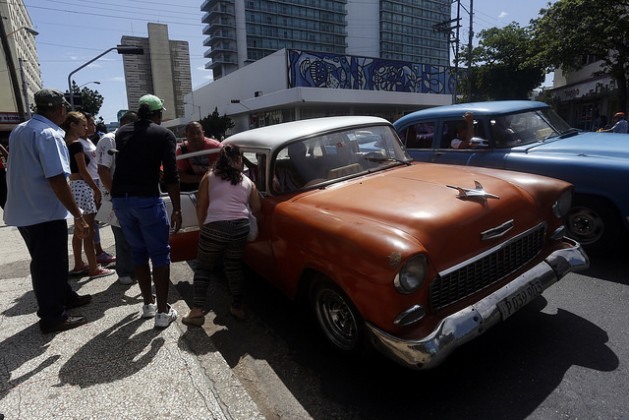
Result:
x=594 y=223
x=336 y=316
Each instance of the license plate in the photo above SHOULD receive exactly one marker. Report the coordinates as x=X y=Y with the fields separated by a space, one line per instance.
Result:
x=513 y=303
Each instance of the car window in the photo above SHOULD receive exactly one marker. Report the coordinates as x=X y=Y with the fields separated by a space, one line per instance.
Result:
x=519 y=129
x=333 y=156
x=419 y=135
x=454 y=129
x=255 y=169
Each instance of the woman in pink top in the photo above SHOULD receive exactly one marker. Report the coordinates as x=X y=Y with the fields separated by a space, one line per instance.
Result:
x=224 y=200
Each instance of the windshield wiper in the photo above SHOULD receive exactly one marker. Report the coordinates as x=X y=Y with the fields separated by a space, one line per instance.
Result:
x=569 y=133
x=386 y=159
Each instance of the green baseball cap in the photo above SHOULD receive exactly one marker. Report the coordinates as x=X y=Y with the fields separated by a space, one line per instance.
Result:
x=153 y=102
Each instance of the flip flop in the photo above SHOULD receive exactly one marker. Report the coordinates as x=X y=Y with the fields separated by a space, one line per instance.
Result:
x=102 y=272
x=83 y=271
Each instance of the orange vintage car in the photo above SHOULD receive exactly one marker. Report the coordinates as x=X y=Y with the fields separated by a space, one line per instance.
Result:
x=412 y=258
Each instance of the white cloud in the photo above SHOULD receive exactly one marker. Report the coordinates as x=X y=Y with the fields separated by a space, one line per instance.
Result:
x=503 y=15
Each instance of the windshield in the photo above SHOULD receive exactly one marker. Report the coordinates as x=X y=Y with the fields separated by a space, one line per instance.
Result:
x=527 y=127
x=335 y=156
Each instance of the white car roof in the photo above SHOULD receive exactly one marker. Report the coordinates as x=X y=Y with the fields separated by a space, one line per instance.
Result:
x=273 y=136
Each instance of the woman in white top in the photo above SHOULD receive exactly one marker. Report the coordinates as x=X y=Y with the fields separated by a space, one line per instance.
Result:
x=224 y=200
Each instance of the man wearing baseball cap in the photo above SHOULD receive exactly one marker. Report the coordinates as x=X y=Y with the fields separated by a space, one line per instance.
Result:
x=620 y=124
x=38 y=202
x=145 y=149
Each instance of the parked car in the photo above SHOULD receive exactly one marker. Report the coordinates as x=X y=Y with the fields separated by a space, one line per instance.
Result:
x=530 y=137
x=414 y=259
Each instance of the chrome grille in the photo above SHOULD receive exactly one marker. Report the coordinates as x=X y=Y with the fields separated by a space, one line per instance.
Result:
x=486 y=269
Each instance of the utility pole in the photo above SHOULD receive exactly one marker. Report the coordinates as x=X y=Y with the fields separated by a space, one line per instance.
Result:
x=27 y=105
x=469 y=52
x=452 y=27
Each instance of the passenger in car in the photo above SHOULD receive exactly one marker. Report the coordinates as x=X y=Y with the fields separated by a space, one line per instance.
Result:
x=464 y=132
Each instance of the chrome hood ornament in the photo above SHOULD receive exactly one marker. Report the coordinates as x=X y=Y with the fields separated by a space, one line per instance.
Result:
x=478 y=192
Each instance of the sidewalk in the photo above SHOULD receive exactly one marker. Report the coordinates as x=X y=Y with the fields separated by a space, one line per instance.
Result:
x=116 y=366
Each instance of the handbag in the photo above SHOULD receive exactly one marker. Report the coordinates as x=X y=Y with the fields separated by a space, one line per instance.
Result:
x=253 y=227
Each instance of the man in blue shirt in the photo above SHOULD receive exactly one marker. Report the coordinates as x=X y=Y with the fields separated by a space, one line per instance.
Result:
x=620 y=124
x=38 y=202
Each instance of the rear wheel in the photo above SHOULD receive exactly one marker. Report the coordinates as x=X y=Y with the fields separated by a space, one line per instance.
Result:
x=594 y=223
x=336 y=316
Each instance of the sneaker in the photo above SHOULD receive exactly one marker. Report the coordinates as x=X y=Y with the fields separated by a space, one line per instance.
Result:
x=149 y=310
x=126 y=280
x=105 y=258
x=162 y=320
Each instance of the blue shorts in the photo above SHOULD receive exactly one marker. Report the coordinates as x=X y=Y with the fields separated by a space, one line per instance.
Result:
x=145 y=225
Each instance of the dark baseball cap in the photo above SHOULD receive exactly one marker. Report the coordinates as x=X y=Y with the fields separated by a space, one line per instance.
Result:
x=49 y=98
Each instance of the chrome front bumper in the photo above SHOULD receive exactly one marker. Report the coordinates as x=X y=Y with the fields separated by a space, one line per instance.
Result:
x=470 y=322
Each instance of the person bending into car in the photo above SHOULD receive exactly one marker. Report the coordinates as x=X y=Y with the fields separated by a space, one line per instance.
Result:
x=225 y=198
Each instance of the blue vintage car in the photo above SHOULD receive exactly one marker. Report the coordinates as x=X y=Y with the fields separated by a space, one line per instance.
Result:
x=529 y=136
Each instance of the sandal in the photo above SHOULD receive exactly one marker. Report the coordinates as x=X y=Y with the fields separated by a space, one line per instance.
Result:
x=79 y=272
x=102 y=272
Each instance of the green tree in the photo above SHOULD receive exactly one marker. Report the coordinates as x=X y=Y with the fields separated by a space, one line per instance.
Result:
x=501 y=68
x=570 y=30
x=216 y=126
x=91 y=100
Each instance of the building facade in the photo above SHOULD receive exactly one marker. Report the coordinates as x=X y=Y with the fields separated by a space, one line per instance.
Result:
x=243 y=31
x=277 y=61
x=19 y=37
x=586 y=98
x=301 y=84
x=163 y=70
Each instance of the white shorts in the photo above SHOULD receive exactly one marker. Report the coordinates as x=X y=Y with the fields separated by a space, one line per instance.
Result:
x=84 y=196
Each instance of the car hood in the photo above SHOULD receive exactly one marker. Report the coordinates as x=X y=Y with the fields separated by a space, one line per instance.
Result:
x=418 y=201
x=604 y=145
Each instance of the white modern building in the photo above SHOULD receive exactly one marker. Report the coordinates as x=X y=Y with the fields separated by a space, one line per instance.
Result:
x=20 y=62
x=275 y=61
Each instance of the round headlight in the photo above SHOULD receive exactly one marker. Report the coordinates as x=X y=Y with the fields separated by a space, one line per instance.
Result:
x=411 y=275
x=562 y=205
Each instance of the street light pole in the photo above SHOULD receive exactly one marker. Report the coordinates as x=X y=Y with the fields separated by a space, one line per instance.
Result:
x=122 y=49
x=85 y=84
x=25 y=89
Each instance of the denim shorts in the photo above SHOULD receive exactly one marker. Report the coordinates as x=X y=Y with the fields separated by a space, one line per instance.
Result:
x=145 y=225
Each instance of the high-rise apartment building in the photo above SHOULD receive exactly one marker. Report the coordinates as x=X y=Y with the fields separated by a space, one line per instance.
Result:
x=163 y=70
x=242 y=31
x=24 y=74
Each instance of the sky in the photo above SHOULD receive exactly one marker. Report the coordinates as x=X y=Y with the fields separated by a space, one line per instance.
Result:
x=73 y=32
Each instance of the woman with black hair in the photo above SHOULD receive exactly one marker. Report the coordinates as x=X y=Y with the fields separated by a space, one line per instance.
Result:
x=224 y=200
